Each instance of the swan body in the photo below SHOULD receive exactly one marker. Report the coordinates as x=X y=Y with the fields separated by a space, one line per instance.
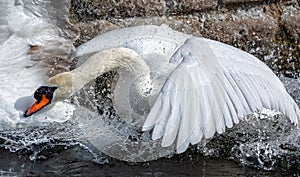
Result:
x=207 y=85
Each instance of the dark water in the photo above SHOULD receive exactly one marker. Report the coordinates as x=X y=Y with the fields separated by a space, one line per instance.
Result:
x=75 y=161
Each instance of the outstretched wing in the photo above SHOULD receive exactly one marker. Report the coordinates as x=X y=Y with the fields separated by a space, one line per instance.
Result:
x=210 y=89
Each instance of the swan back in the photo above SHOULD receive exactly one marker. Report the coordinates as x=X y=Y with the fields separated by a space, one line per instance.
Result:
x=155 y=45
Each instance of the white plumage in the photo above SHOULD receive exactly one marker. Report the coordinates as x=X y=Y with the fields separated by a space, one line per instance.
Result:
x=216 y=84
x=209 y=85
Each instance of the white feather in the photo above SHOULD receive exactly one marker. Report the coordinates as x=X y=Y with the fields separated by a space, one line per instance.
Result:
x=217 y=84
x=174 y=120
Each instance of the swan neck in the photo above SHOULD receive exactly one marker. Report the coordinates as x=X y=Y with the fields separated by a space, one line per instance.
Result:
x=108 y=60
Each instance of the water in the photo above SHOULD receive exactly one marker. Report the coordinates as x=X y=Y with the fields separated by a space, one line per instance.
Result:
x=264 y=145
x=69 y=162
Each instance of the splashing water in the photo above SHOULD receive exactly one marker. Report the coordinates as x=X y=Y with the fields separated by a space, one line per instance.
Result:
x=265 y=140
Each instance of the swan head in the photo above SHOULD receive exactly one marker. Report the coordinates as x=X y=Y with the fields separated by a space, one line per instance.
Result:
x=43 y=96
x=57 y=88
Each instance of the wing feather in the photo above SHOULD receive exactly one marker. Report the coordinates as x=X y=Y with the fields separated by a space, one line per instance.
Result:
x=240 y=96
x=189 y=108
x=163 y=117
x=209 y=90
x=152 y=117
x=172 y=126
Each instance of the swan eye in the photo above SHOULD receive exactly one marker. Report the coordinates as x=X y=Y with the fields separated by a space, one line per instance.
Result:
x=43 y=96
x=44 y=90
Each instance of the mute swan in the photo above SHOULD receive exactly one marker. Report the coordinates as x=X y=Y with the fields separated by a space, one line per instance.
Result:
x=207 y=85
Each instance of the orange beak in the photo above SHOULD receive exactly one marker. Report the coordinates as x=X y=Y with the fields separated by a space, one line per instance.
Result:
x=37 y=105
